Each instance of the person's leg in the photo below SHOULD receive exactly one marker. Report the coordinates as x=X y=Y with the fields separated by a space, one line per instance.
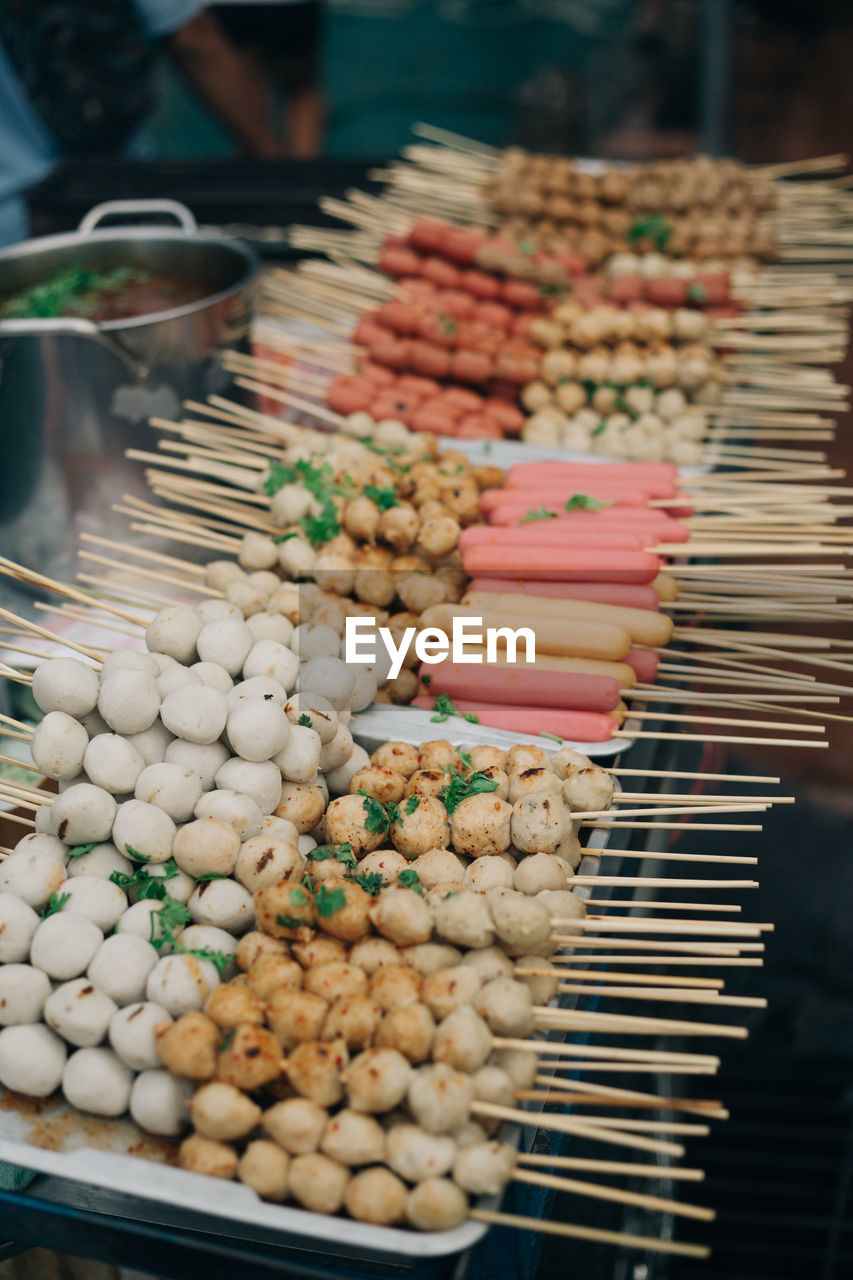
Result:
x=298 y=50
x=306 y=118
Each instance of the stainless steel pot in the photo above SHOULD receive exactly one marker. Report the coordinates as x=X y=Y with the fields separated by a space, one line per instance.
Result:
x=74 y=395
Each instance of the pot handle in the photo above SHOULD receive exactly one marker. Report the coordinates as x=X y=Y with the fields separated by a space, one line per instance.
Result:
x=35 y=328
x=179 y=212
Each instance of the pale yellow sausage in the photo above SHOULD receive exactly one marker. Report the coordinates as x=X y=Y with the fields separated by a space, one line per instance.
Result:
x=643 y=625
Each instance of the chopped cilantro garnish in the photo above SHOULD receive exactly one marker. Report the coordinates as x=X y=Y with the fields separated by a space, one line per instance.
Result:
x=445 y=707
x=306 y=721
x=410 y=879
x=583 y=502
x=426 y=680
x=539 y=513
x=283 y=537
x=225 y=1042
x=171 y=916
x=411 y=804
x=217 y=958
x=340 y=852
x=321 y=528
x=697 y=293
x=600 y=426
x=290 y=922
x=135 y=854
x=393 y=811
x=371 y=882
x=376 y=819
x=654 y=227
x=465 y=757
x=328 y=900
x=55 y=903
x=459 y=789
x=384 y=498
x=298 y=896
x=552 y=736
x=211 y=875
x=80 y=850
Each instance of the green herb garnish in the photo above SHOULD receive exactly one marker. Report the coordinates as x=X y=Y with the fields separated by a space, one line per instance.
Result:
x=306 y=721
x=410 y=879
x=385 y=499
x=597 y=430
x=285 y=537
x=55 y=903
x=217 y=958
x=80 y=850
x=552 y=736
x=411 y=804
x=459 y=789
x=465 y=757
x=340 y=852
x=328 y=900
x=210 y=875
x=227 y=1039
x=171 y=916
x=697 y=293
x=298 y=896
x=426 y=680
x=371 y=882
x=376 y=819
x=135 y=854
x=584 y=502
x=654 y=227
x=74 y=291
x=539 y=514
x=445 y=707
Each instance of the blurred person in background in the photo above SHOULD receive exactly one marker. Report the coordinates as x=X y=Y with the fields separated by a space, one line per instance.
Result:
x=75 y=80
x=282 y=37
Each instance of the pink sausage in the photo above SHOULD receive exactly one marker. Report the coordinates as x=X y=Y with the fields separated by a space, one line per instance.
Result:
x=543 y=534
x=645 y=663
x=574 y=726
x=663 y=475
x=558 y=564
x=520 y=686
x=516 y=512
x=599 y=592
x=492 y=498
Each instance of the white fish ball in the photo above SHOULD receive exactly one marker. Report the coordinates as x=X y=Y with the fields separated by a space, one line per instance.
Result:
x=239 y=811
x=18 y=923
x=174 y=788
x=65 y=684
x=44 y=843
x=59 y=745
x=257 y=729
x=484 y=1168
x=196 y=714
x=32 y=1059
x=99 y=900
x=100 y=862
x=143 y=831
x=315 y=708
x=416 y=1154
x=439 y=1097
x=97 y=1081
x=331 y=677
x=213 y=674
x=174 y=631
x=257 y=687
x=181 y=983
x=281 y=829
x=300 y=758
x=261 y=781
x=363 y=689
x=152 y=742
x=23 y=991
x=223 y=904
x=131 y=1032
x=264 y=860
x=315 y=642
x=338 y=751
x=63 y=945
x=436 y=1205
x=206 y=937
x=143 y=920
x=269 y=658
x=79 y=1012
x=227 y=642
x=210 y=610
x=539 y=871
x=160 y=1102
x=203 y=760
x=121 y=965
x=32 y=877
x=129 y=660
x=84 y=813
x=129 y=701
x=338 y=780
x=176 y=677
x=113 y=763
x=206 y=847
x=270 y=626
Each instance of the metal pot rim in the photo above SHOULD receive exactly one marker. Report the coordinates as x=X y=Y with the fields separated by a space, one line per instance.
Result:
x=136 y=232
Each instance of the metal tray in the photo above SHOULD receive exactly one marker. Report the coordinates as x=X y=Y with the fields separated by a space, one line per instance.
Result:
x=52 y=1137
